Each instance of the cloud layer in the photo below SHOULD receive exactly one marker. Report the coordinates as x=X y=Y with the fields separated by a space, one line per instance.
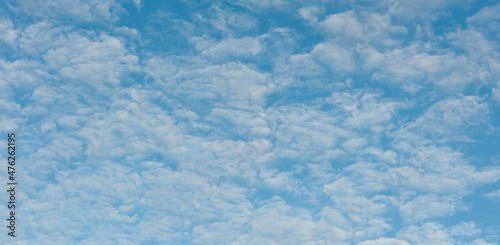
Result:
x=253 y=121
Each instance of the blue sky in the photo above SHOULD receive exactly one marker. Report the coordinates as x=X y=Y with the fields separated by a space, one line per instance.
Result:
x=253 y=121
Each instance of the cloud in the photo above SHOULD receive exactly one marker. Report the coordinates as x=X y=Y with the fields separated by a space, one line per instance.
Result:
x=265 y=5
x=433 y=233
x=243 y=48
x=413 y=68
x=82 y=60
x=253 y=122
x=10 y=34
x=429 y=206
x=228 y=21
x=77 y=11
x=452 y=118
x=493 y=194
x=361 y=29
x=129 y=33
x=288 y=226
x=311 y=13
x=384 y=241
x=486 y=20
x=334 y=57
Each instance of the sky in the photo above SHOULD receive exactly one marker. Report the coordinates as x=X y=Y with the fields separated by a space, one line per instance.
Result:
x=252 y=121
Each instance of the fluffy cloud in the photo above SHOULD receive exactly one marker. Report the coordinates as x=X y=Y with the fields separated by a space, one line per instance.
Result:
x=10 y=34
x=238 y=123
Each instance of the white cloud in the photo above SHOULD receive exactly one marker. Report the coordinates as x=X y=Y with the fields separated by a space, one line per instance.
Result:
x=429 y=233
x=465 y=229
x=36 y=39
x=312 y=14
x=358 y=30
x=365 y=110
x=130 y=33
x=265 y=5
x=231 y=22
x=96 y=63
x=252 y=136
x=335 y=57
x=413 y=68
x=21 y=75
x=422 y=11
x=493 y=194
x=434 y=233
x=486 y=20
x=81 y=10
x=429 y=206
x=305 y=65
x=384 y=241
x=230 y=85
x=138 y=4
x=289 y=226
x=354 y=144
x=9 y=33
x=342 y=24
x=440 y=171
x=242 y=48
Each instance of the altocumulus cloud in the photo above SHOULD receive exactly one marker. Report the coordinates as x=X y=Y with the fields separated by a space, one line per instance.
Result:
x=252 y=121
